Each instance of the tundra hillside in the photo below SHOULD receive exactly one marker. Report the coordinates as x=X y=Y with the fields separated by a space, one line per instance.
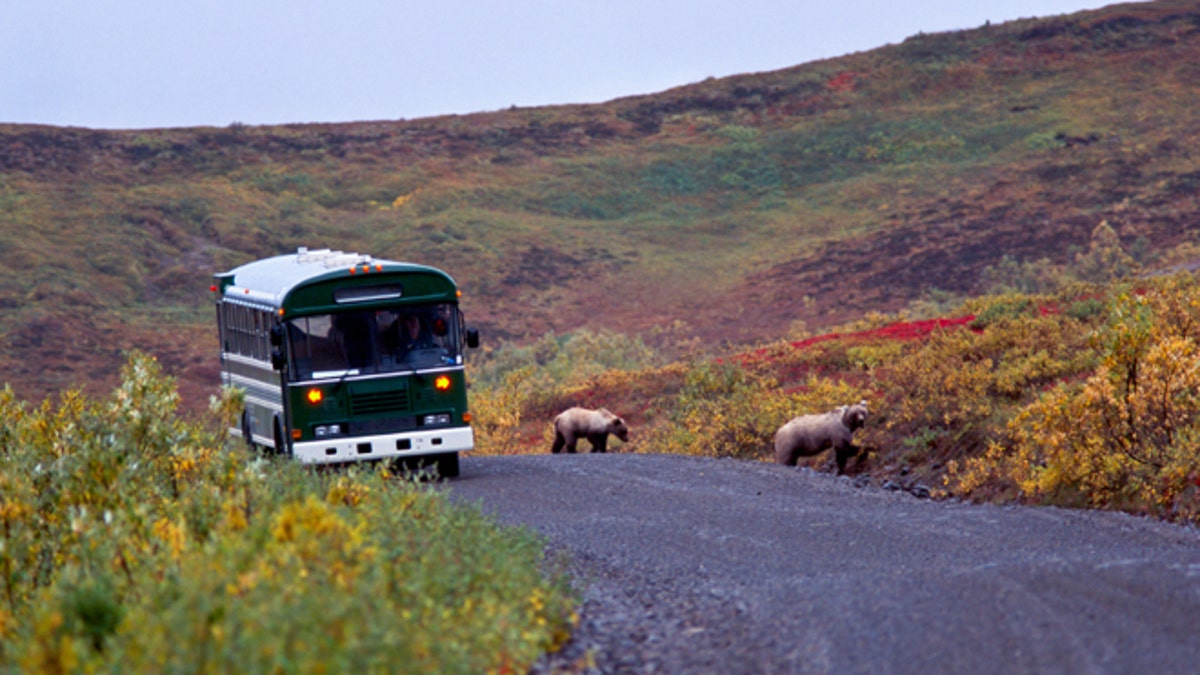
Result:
x=732 y=210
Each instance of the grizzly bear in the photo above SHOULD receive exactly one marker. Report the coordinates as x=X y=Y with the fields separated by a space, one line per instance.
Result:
x=809 y=435
x=594 y=425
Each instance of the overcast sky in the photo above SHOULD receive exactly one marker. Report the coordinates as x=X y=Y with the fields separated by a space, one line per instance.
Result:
x=125 y=64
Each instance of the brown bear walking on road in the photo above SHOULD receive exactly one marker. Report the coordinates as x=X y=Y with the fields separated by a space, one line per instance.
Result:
x=594 y=425
x=808 y=435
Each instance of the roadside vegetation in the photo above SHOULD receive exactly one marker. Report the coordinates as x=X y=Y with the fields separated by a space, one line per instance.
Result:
x=1085 y=397
x=134 y=540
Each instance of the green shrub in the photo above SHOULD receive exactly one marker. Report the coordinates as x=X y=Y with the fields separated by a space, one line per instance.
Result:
x=1004 y=308
x=563 y=360
x=724 y=409
x=1085 y=309
x=133 y=540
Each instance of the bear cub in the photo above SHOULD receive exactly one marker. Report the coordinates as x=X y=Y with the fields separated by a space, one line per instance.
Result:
x=594 y=425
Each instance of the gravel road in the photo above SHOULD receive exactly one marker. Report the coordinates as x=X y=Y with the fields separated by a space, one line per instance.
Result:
x=694 y=565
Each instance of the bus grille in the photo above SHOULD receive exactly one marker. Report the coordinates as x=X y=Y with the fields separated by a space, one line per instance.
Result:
x=362 y=403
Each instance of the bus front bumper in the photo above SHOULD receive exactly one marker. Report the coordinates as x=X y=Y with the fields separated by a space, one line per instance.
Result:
x=384 y=446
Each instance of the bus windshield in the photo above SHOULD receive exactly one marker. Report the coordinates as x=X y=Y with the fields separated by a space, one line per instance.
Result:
x=359 y=342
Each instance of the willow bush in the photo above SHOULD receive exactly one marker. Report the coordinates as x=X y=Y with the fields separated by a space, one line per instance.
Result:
x=514 y=386
x=134 y=540
x=1127 y=436
x=950 y=395
x=498 y=411
x=725 y=409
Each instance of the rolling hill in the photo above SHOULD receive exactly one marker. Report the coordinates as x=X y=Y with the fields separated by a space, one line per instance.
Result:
x=732 y=210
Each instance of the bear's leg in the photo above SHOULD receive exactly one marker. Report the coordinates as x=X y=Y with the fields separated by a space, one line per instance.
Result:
x=572 y=439
x=844 y=453
x=599 y=442
x=559 y=442
x=788 y=457
x=794 y=455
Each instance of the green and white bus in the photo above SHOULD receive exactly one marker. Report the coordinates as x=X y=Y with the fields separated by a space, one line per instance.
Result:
x=346 y=358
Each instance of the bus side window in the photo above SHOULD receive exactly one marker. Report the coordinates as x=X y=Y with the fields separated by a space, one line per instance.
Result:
x=247 y=331
x=239 y=324
x=262 y=347
x=245 y=348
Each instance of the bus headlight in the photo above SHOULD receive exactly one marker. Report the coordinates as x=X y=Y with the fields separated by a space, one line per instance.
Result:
x=439 y=420
x=325 y=430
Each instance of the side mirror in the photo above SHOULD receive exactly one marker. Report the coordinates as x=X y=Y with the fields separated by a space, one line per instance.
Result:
x=472 y=337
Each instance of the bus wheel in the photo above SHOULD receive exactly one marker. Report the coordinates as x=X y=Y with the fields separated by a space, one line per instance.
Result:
x=280 y=445
x=447 y=465
x=246 y=435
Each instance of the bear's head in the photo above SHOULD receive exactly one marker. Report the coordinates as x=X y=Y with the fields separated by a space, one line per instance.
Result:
x=616 y=426
x=854 y=416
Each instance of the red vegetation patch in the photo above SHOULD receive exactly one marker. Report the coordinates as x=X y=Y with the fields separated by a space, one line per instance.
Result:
x=901 y=330
x=842 y=82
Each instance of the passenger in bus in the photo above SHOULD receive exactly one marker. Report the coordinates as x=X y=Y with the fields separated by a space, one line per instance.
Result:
x=442 y=316
x=406 y=334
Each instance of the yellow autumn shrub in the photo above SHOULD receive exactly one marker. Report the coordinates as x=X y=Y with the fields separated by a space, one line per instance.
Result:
x=133 y=540
x=725 y=410
x=1127 y=437
x=498 y=410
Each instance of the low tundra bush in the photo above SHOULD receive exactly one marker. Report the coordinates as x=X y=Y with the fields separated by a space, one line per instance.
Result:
x=132 y=540
x=1128 y=435
x=952 y=393
x=724 y=410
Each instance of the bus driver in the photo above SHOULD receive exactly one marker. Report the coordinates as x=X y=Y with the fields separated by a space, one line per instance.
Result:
x=405 y=334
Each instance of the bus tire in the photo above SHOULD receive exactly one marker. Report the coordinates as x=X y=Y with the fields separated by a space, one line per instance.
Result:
x=280 y=442
x=447 y=465
x=246 y=435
